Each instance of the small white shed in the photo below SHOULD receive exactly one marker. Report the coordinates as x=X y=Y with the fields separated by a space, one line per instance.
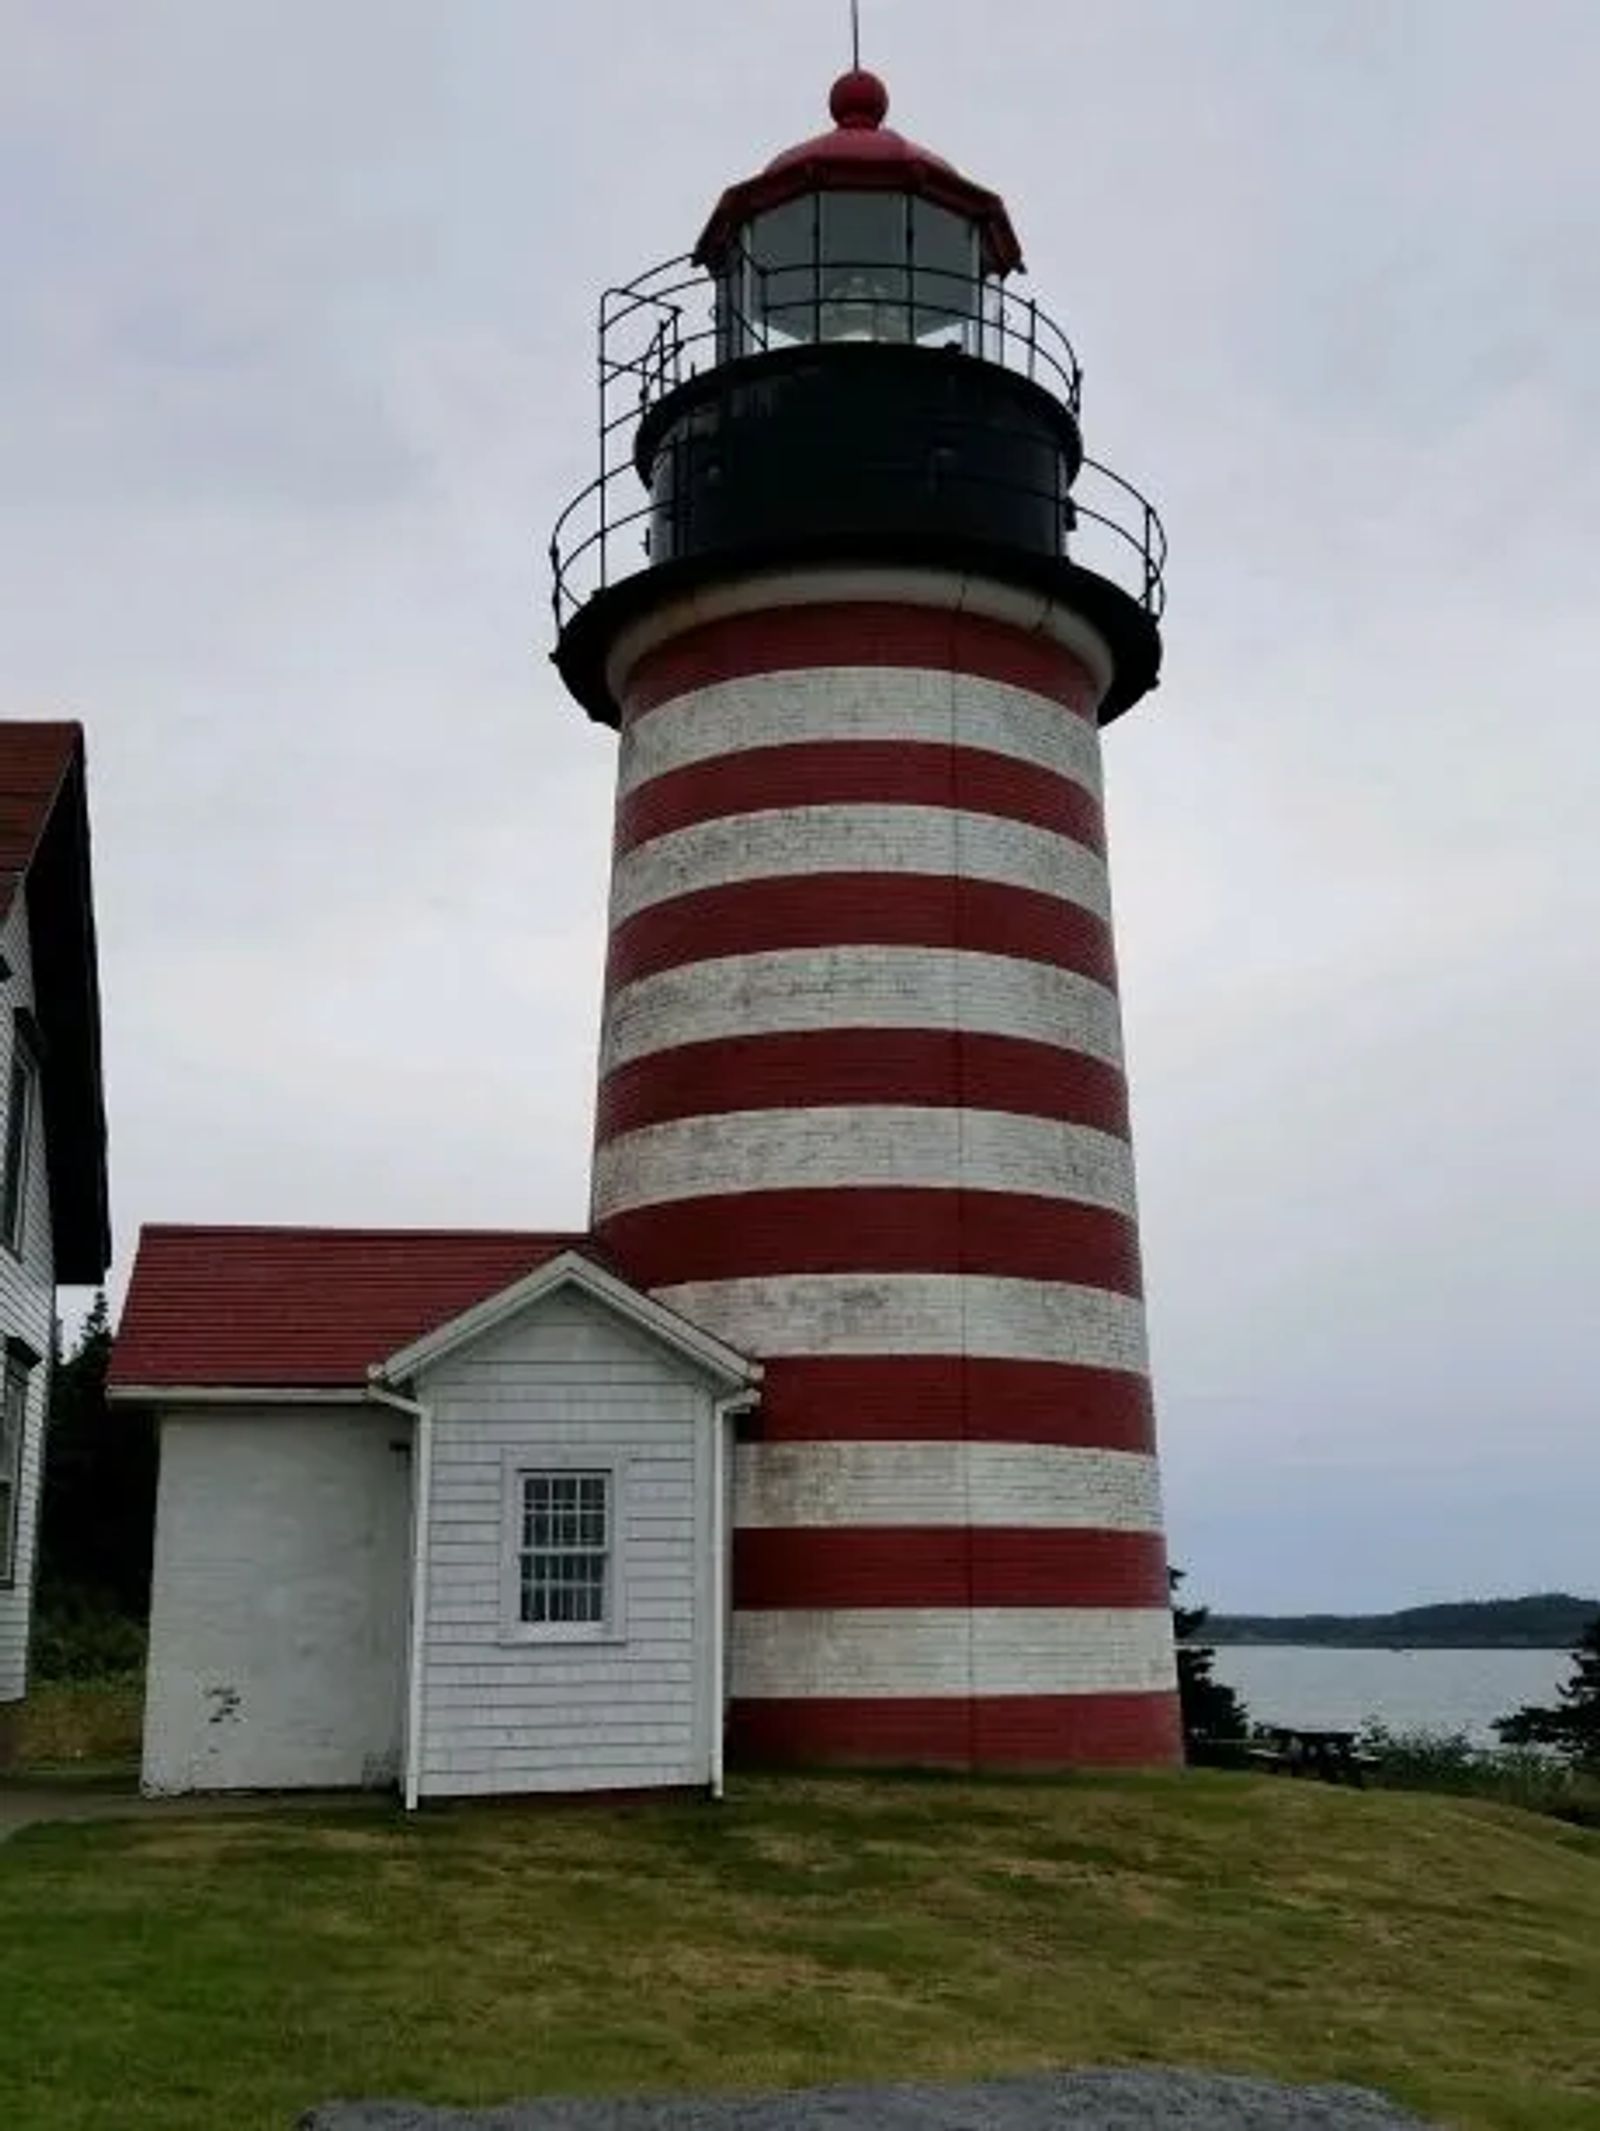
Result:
x=497 y=1564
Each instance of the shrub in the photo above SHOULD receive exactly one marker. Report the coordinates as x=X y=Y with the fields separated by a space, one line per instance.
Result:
x=78 y=1637
x=1570 y=1727
x=1450 y=1761
x=1422 y=1760
x=1215 y=1721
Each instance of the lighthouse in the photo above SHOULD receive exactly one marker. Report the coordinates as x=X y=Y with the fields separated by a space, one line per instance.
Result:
x=859 y=606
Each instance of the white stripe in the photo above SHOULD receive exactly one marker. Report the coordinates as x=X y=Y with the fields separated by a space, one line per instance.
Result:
x=802 y=988
x=988 y=1650
x=1039 y=1486
x=918 y=1313
x=823 y=703
x=783 y=842
x=758 y=591
x=889 y=1143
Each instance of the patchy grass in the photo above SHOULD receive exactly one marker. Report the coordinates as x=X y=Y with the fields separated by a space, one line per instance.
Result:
x=78 y=1725
x=189 y=1973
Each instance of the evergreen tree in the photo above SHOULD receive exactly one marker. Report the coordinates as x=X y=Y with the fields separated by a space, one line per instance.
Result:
x=1572 y=1727
x=97 y=1520
x=1211 y=1709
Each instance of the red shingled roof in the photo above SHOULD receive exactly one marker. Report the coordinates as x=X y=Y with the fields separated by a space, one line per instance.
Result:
x=306 y=1306
x=33 y=761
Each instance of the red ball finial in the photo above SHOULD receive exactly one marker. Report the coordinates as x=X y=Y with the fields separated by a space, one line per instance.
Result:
x=859 y=100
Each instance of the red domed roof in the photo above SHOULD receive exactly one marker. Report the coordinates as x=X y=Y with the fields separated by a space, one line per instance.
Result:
x=862 y=154
x=858 y=99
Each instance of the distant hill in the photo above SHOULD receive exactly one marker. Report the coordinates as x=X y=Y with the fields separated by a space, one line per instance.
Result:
x=1552 y=1620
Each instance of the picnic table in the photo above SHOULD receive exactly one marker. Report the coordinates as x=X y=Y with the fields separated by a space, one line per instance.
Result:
x=1297 y=1750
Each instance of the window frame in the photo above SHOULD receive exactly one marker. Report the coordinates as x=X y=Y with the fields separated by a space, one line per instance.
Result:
x=533 y=1463
x=21 y=1117
x=16 y=1378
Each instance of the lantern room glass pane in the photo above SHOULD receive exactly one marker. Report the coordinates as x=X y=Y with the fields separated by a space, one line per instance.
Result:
x=865 y=293
x=945 y=282
x=781 y=294
x=880 y=266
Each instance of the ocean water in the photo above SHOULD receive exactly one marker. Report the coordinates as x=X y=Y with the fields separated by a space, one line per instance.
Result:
x=1408 y=1690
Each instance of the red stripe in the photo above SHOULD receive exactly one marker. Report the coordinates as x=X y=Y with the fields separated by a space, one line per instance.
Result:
x=944 y=1398
x=820 y=1567
x=928 y=1068
x=818 y=773
x=859 y=633
x=747 y=1235
x=862 y=910
x=984 y=1731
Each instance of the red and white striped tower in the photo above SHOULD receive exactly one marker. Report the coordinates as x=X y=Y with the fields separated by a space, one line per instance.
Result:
x=862 y=1105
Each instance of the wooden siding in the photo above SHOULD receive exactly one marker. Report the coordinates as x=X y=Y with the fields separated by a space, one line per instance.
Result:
x=500 y=1713
x=27 y=1309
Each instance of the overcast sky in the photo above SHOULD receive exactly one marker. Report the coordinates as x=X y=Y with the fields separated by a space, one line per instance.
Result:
x=295 y=371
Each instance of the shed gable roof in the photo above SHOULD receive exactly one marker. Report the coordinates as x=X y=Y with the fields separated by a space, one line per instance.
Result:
x=305 y=1307
x=572 y=1269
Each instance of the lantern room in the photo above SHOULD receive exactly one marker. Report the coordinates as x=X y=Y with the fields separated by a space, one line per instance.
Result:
x=843 y=371
x=858 y=235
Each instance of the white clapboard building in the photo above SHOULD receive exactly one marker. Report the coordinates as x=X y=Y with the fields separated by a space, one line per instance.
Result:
x=444 y=1510
x=53 y=1219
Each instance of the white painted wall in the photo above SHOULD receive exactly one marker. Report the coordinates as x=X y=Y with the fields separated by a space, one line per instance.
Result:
x=501 y=1713
x=278 y=1608
x=27 y=1309
x=1004 y=1486
x=789 y=708
x=785 y=843
x=786 y=989
x=889 y=1651
x=919 y=1313
x=853 y=1144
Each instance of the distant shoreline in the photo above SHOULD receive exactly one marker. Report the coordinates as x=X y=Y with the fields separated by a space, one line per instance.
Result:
x=1208 y=1641
x=1544 y=1620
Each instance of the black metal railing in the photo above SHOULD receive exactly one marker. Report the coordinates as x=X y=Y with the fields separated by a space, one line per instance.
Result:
x=676 y=322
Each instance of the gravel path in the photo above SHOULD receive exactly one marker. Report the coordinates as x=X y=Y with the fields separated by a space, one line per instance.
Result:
x=1070 y=2101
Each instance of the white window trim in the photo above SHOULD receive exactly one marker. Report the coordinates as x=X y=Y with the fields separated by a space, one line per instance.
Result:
x=22 y=1078
x=613 y=1629
x=12 y=1372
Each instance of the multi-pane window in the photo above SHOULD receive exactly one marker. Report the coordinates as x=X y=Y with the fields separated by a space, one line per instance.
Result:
x=22 y=1098
x=564 y=1548
x=13 y=1426
x=878 y=266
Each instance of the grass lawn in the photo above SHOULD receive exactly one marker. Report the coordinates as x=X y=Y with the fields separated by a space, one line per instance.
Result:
x=190 y=1973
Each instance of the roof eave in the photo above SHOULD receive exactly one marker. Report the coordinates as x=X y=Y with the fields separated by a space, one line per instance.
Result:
x=61 y=929
x=946 y=188
x=236 y=1395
